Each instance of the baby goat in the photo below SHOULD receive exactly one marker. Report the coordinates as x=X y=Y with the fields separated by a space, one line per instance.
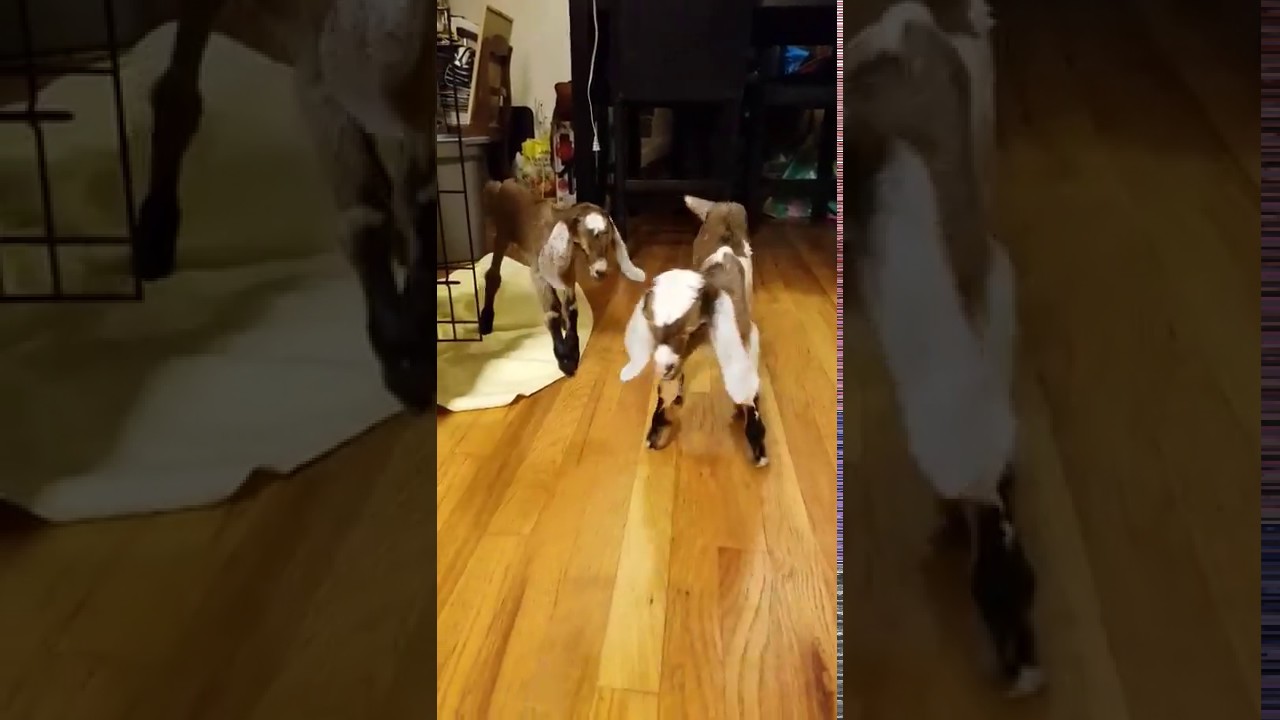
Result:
x=685 y=308
x=365 y=69
x=549 y=238
x=938 y=288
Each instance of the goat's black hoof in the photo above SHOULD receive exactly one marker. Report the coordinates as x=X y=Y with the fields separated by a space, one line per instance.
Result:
x=568 y=366
x=568 y=357
x=155 y=247
x=486 y=321
x=413 y=384
x=1028 y=681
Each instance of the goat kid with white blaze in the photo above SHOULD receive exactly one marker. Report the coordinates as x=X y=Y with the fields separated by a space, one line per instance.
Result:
x=938 y=288
x=686 y=308
x=549 y=239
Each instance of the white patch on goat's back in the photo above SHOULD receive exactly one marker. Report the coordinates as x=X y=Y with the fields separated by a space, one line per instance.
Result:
x=638 y=340
x=957 y=410
x=722 y=255
x=738 y=364
x=595 y=222
x=674 y=292
x=884 y=36
x=555 y=256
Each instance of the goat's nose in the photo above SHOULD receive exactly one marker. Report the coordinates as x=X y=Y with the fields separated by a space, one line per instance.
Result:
x=598 y=268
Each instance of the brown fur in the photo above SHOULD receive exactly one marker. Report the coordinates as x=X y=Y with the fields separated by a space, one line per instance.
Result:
x=922 y=98
x=724 y=224
x=523 y=220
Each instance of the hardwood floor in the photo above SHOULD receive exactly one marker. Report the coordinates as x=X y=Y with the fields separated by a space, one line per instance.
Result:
x=1129 y=201
x=579 y=576
x=582 y=575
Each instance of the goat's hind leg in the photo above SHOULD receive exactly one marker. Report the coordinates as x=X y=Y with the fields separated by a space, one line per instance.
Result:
x=753 y=427
x=177 y=107
x=1003 y=587
x=493 y=281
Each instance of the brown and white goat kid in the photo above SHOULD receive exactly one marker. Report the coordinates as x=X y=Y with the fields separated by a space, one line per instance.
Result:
x=549 y=239
x=919 y=83
x=365 y=69
x=686 y=308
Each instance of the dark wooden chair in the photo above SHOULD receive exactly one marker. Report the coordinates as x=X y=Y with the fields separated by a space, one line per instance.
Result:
x=682 y=55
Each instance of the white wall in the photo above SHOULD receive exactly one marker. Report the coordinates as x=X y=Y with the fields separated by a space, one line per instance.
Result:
x=540 y=38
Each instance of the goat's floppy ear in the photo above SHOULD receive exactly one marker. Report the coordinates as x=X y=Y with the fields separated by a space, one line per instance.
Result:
x=624 y=258
x=638 y=341
x=555 y=255
x=739 y=362
x=699 y=206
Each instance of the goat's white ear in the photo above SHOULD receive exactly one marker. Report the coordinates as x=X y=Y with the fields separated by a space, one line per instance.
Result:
x=624 y=259
x=639 y=343
x=738 y=362
x=555 y=255
x=699 y=206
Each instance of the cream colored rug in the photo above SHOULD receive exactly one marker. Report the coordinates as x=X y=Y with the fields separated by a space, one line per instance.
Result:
x=253 y=355
x=516 y=360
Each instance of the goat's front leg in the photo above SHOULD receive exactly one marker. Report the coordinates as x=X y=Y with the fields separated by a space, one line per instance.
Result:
x=754 y=429
x=364 y=195
x=420 y=278
x=662 y=426
x=554 y=316
x=572 y=347
x=177 y=107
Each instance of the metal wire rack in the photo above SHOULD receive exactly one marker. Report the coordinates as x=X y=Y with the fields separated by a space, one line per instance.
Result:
x=31 y=66
x=453 y=71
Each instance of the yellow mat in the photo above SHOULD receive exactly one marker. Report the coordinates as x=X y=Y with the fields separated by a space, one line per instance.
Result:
x=516 y=359
x=252 y=355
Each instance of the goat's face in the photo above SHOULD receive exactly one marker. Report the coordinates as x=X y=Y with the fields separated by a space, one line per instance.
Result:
x=664 y=322
x=592 y=236
x=593 y=233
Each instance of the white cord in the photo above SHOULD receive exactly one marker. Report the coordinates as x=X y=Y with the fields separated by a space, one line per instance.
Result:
x=591 y=75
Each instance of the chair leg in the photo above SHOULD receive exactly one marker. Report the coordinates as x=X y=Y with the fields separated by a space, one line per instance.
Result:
x=755 y=166
x=826 y=160
x=622 y=129
x=726 y=160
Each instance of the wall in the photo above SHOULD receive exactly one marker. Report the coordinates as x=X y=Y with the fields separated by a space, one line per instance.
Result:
x=541 y=43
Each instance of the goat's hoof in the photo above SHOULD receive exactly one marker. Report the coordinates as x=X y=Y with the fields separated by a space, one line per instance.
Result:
x=415 y=393
x=412 y=381
x=568 y=366
x=1028 y=681
x=155 y=248
x=486 y=321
